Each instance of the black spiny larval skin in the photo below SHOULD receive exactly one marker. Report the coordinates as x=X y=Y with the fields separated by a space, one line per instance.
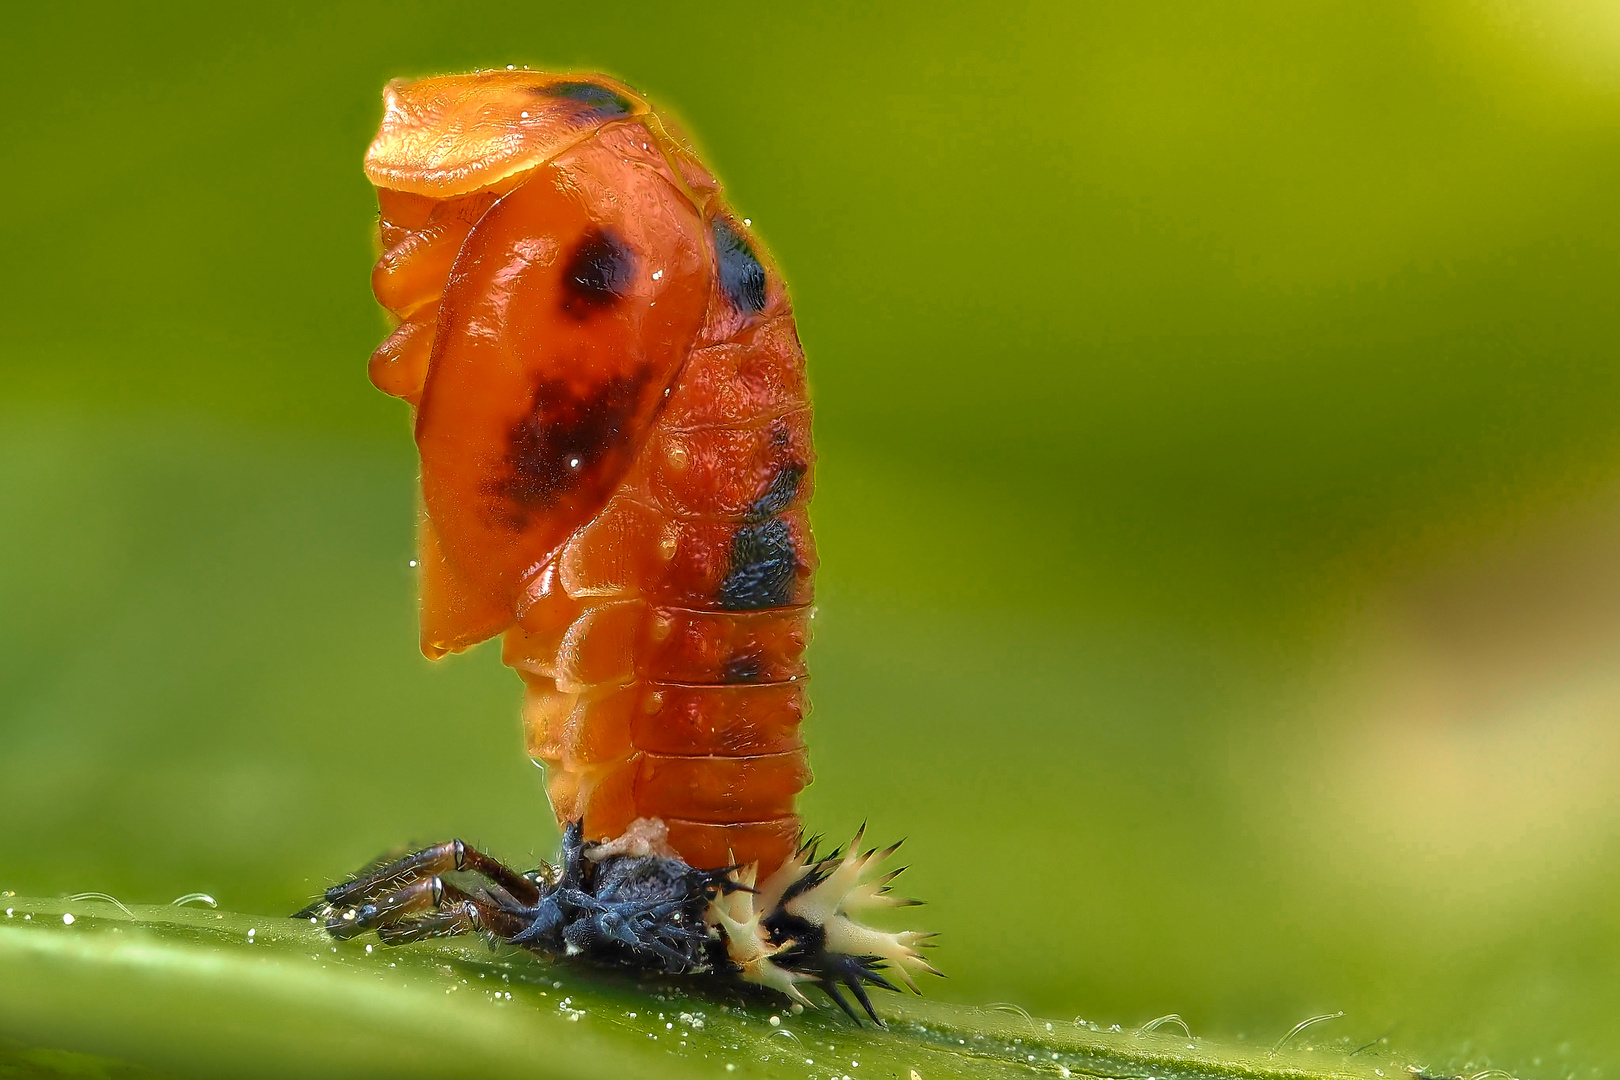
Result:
x=640 y=910
x=644 y=910
x=630 y=902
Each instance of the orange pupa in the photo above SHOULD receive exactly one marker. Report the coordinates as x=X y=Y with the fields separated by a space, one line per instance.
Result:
x=614 y=427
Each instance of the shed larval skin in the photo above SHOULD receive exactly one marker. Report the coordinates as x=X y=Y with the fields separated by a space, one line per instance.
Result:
x=616 y=457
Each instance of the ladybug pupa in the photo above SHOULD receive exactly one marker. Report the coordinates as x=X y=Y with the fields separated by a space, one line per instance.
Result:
x=614 y=428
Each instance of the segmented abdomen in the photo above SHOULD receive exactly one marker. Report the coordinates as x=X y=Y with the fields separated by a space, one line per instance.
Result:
x=664 y=653
x=616 y=447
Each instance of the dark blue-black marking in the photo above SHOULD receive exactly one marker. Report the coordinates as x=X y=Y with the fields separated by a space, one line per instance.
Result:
x=597 y=273
x=601 y=102
x=784 y=486
x=743 y=669
x=742 y=278
x=763 y=564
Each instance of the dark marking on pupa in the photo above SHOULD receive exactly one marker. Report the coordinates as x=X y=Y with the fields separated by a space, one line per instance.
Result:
x=763 y=564
x=598 y=100
x=742 y=278
x=563 y=443
x=597 y=275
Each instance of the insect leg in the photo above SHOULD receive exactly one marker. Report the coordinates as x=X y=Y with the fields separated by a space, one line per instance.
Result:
x=456 y=912
x=421 y=865
x=428 y=907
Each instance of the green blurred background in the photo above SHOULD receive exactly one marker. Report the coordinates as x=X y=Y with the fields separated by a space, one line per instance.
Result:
x=1220 y=504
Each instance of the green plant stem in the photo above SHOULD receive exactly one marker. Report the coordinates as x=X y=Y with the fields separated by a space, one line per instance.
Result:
x=182 y=991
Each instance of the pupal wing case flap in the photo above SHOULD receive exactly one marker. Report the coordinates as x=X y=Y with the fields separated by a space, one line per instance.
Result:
x=567 y=314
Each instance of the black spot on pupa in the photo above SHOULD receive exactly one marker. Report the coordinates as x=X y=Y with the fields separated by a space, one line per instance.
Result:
x=601 y=102
x=762 y=567
x=597 y=273
x=742 y=278
x=784 y=485
x=560 y=444
x=742 y=669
